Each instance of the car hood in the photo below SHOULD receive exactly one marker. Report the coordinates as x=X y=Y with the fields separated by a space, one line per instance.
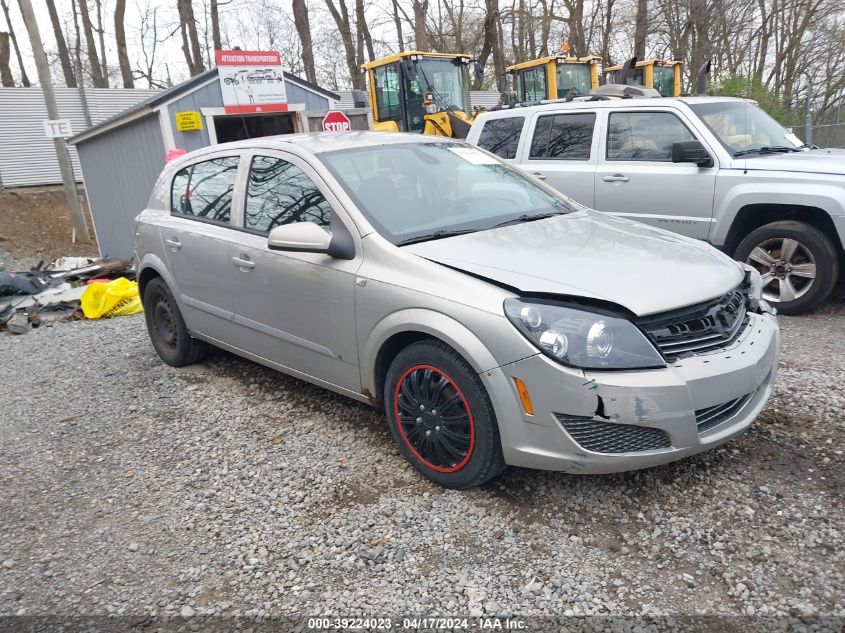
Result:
x=592 y=255
x=817 y=161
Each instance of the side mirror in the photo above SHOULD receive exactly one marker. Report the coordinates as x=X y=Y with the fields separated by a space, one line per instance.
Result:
x=691 y=152
x=301 y=237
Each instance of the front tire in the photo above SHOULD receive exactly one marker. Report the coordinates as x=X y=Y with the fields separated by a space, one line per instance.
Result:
x=167 y=329
x=441 y=416
x=798 y=262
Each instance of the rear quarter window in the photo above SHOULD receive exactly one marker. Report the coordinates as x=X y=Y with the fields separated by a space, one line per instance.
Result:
x=501 y=136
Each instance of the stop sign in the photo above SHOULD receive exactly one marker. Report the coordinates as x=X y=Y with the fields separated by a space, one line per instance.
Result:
x=336 y=121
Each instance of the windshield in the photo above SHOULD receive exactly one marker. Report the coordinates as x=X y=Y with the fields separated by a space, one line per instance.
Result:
x=410 y=191
x=573 y=76
x=743 y=126
x=444 y=77
x=664 y=80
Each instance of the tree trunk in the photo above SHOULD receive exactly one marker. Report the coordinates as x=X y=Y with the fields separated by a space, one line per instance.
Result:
x=120 y=39
x=190 y=38
x=364 y=30
x=6 y=78
x=61 y=45
x=41 y=64
x=93 y=58
x=340 y=14
x=215 y=29
x=398 y=22
x=303 y=28
x=575 y=22
x=420 y=35
x=101 y=32
x=14 y=40
x=607 y=33
x=641 y=29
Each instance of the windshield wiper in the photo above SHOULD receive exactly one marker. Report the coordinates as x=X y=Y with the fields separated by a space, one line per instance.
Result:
x=767 y=149
x=437 y=235
x=528 y=218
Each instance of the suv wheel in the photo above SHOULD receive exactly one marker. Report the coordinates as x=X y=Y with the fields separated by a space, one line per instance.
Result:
x=799 y=264
x=167 y=328
x=441 y=416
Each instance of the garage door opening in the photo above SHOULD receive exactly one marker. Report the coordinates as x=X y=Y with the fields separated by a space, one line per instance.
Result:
x=240 y=127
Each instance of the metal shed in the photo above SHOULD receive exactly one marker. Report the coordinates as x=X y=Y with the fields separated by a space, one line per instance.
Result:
x=122 y=156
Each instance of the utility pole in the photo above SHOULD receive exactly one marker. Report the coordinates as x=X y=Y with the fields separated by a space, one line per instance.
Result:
x=68 y=180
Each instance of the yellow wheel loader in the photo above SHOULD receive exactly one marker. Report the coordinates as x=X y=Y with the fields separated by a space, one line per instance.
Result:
x=662 y=75
x=555 y=77
x=420 y=92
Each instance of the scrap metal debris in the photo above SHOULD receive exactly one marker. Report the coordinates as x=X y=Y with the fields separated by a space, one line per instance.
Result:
x=53 y=292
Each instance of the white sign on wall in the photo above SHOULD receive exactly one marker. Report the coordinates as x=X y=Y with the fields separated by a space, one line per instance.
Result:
x=251 y=81
x=58 y=128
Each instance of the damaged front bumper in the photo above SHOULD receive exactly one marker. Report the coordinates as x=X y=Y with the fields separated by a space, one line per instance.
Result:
x=610 y=421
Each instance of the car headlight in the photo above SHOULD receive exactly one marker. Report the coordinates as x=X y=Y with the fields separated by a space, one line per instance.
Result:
x=755 y=291
x=578 y=338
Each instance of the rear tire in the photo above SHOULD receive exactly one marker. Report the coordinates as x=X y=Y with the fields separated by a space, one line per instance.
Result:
x=787 y=253
x=167 y=329
x=458 y=446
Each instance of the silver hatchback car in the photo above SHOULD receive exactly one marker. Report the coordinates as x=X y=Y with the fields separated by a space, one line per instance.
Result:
x=492 y=319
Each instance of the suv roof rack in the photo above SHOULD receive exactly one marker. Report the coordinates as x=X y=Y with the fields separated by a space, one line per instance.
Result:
x=624 y=91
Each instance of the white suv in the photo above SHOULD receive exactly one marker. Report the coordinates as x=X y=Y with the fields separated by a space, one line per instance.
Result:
x=714 y=168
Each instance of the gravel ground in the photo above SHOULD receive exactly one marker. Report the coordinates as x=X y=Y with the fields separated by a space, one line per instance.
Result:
x=131 y=488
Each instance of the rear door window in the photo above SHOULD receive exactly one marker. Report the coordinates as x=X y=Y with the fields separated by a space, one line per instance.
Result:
x=279 y=193
x=563 y=137
x=205 y=190
x=501 y=136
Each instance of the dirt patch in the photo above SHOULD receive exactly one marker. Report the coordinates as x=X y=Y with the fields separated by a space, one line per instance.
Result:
x=35 y=224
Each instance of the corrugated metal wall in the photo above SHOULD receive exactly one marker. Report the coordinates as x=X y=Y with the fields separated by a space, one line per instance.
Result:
x=121 y=168
x=27 y=156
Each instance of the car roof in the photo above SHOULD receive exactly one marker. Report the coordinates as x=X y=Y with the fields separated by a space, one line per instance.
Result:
x=319 y=142
x=610 y=104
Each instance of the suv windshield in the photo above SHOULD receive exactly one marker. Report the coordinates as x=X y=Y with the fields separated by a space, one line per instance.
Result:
x=415 y=191
x=744 y=127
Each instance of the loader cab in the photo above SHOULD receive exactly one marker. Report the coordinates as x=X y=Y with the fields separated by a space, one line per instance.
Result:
x=662 y=75
x=555 y=77
x=419 y=92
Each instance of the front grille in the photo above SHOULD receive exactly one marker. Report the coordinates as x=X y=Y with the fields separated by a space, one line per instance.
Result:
x=700 y=328
x=711 y=417
x=606 y=437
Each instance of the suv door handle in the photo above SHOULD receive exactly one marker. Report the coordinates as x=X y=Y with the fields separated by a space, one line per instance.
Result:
x=243 y=263
x=616 y=178
x=538 y=175
x=173 y=243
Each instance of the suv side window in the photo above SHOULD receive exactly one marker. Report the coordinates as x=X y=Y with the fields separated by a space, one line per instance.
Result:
x=563 y=137
x=646 y=136
x=501 y=136
x=279 y=193
x=205 y=190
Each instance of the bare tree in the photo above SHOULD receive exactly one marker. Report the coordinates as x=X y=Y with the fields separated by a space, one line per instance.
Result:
x=6 y=78
x=640 y=29
x=61 y=45
x=420 y=8
x=303 y=28
x=24 y=79
x=71 y=193
x=101 y=33
x=397 y=21
x=190 y=38
x=215 y=24
x=340 y=14
x=100 y=80
x=120 y=40
x=149 y=41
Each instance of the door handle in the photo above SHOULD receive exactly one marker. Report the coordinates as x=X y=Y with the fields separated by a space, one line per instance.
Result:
x=616 y=178
x=243 y=263
x=173 y=243
x=538 y=175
